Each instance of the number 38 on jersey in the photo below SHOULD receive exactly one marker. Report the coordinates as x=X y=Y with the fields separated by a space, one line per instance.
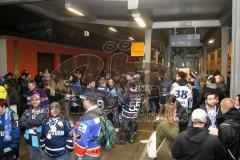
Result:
x=183 y=95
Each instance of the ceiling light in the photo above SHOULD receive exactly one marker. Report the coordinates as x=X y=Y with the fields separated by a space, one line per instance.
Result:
x=112 y=29
x=75 y=11
x=211 y=41
x=69 y=7
x=140 y=21
x=131 y=38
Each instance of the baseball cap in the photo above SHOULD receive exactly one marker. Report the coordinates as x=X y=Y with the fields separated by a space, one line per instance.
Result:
x=199 y=115
x=55 y=105
x=89 y=96
x=37 y=96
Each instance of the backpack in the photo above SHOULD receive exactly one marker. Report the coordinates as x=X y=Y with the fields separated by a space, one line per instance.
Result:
x=106 y=138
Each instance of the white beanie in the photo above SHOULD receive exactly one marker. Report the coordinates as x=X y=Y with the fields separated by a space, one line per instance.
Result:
x=199 y=115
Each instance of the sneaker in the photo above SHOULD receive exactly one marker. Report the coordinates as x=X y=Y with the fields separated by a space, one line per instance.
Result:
x=131 y=141
x=151 y=114
x=122 y=142
x=116 y=130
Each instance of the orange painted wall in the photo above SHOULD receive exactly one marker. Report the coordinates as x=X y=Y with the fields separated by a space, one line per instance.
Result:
x=28 y=49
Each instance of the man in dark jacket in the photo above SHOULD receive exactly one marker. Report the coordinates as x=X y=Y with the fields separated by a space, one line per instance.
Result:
x=39 y=80
x=211 y=86
x=32 y=86
x=32 y=120
x=229 y=130
x=211 y=107
x=196 y=143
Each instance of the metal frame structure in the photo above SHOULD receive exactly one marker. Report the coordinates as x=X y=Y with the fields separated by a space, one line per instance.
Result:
x=7 y=2
x=235 y=67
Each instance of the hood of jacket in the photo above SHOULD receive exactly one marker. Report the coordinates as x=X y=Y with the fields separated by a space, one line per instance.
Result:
x=197 y=135
x=233 y=113
x=211 y=85
x=232 y=117
x=182 y=82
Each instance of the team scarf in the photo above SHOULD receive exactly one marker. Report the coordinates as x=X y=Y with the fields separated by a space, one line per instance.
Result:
x=8 y=125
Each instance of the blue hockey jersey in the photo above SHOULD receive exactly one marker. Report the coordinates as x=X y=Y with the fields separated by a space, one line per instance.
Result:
x=56 y=137
x=86 y=132
x=9 y=131
x=131 y=104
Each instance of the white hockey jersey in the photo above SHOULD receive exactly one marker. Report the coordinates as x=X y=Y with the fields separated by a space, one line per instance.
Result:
x=183 y=95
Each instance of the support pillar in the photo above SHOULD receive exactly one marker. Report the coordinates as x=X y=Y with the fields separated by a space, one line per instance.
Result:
x=148 y=38
x=235 y=66
x=224 y=51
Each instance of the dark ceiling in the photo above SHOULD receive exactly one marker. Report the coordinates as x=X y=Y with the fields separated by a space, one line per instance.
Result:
x=18 y=21
x=49 y=20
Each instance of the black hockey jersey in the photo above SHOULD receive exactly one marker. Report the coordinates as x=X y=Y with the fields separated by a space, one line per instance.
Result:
x=131 y=104
x=105 y=99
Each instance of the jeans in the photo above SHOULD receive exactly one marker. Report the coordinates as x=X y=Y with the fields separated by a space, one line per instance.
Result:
x=66 y=156
x=7 y=156
x=125 y=123
x=153 y=107
x=35 y=153
x=116 y=119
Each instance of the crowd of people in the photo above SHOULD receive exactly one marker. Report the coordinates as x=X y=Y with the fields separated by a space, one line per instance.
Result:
x=193 y=121
x=198 y=122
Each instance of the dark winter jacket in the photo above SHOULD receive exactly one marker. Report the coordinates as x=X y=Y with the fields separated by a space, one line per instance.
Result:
x=195 y=98
x=182 y=82
x=197 y=144
x=13 y=96
x=23 y=86
x=229 y=133
x=182 y=116
x=32 y=120
x=39 y=80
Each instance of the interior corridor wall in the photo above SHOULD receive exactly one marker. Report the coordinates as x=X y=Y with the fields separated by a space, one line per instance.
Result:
x=27 y=50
